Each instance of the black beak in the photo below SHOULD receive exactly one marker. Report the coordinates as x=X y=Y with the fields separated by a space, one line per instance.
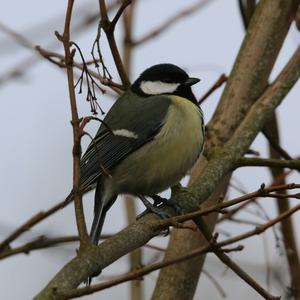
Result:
x=191 y=81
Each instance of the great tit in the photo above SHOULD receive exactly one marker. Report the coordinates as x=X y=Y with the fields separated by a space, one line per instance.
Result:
x=149 y=139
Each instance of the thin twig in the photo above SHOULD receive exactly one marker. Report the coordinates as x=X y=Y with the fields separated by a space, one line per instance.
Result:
x=276 y=146
x=230 y=213
x=268 y=162
x=108 y=28
x=223 y=78
x=75 y=293
x=231 y=264
x=21 y=67
x=65 y=39
x=61 y=63
x=172 y=20
x=261 y=228
x=215 y=283
x=39 y=243
x=247 y=9
x=18 y=37
x=262 y=192
x=212 y=246
x=43 y=242
x=119 y=13
x=287 y=228
x=30 y=223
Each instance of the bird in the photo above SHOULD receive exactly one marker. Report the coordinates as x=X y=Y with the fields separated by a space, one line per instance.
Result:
x=149 y=139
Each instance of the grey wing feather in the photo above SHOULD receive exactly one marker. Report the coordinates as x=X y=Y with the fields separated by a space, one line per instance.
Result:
x=144 y=117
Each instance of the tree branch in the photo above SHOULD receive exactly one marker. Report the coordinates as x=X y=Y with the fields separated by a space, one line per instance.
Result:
x=171 y=21
x=261 y=228
x=232 y=265
x=223 y=78
x=271 y=130
x=108 y=28
x=22 y=66
x=265 y=162
x=132 y=275
x=211 y=247
x=220 y=162
x=276 y=146
x=94 y=259
x=260 y=48
x=30 y=223
x=230 y=213
x=61 y=63
x=39 y=243
x=65 y=39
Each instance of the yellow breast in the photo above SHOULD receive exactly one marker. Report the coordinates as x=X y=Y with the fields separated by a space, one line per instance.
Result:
x=166 y=159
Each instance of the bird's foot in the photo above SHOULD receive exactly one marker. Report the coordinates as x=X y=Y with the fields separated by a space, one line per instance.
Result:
x=152 y=208
x=169 y=202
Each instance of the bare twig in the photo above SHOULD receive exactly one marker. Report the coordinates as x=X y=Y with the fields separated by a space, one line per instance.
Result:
x=230 y=213
x=116 y=18
x=247 y=8
x=108 y=27
x=287 y=228
x=39 y=243
x=91 y=84
x=223 y=78
x=262 y=192
x=18 y=37
x=211 y=247
x=133 y=275
x=30 y=223
x=276 y=146
x=265 y=162
x=50 y=55
x=215 y=283
x=43 y=242
x=171 y=21
x=65 y=39
x=22 y=66
x=128 y=18
x=231 y=264
x=261 y=228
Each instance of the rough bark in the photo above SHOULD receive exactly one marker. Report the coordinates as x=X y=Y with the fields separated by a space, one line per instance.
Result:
x=260 y=48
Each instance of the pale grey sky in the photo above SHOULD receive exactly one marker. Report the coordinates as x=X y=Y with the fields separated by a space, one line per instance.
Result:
x=36 y=136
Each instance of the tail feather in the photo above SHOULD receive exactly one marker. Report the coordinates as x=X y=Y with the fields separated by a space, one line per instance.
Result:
x=103 y=202
x=97 y=225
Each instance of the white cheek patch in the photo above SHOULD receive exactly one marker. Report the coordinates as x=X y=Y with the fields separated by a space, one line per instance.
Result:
x=125 y=133
x=158 y=87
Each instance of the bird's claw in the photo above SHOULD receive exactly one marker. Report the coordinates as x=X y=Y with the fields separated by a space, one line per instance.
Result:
x=152 y=208
x=169 y=202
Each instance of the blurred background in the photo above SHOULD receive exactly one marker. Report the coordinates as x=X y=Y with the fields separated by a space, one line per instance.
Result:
x=36 y=137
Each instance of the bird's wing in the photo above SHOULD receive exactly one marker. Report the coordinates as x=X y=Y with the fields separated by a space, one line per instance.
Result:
x=122 y=133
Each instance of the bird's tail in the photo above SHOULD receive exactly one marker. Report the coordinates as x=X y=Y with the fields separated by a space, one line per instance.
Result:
x=101 y=206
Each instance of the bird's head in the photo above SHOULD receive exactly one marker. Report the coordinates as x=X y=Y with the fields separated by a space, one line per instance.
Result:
x=165 y=79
